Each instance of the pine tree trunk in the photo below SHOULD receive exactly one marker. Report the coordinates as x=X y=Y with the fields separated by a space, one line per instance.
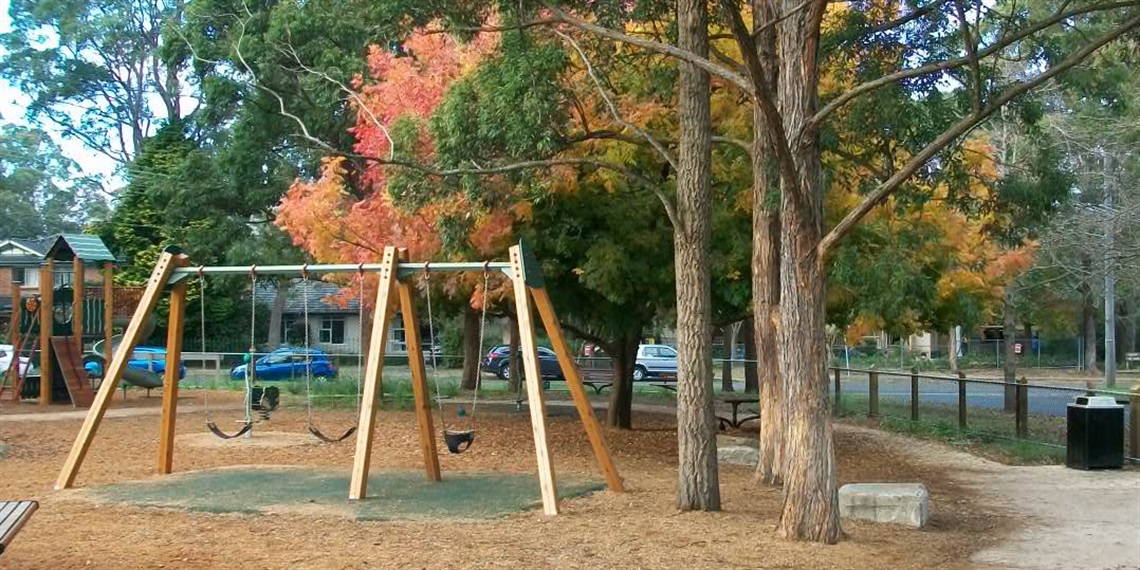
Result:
x=728 y=333
x=472 y=352
x=751 y=377
x=277 y=313
x=365 y=336
x=1088 y=308
x=811 y=510
x=765 y=309
x=623 y=355
x=811 y=501
x=698 y=485
x=1127 y=326
x=952 y=349
x=1009 y=336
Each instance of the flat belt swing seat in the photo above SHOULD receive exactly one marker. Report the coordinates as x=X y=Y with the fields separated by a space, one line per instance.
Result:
x=13 y=516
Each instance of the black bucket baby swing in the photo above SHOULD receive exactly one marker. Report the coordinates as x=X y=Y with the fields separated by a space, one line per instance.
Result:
x=460 y=435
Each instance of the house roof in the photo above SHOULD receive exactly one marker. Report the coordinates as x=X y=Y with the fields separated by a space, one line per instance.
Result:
x=321 y=298
x=84 y=246
x=30 y=251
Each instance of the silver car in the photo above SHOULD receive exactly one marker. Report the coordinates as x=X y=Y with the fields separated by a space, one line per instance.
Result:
x=7 y=352
x=655 y=361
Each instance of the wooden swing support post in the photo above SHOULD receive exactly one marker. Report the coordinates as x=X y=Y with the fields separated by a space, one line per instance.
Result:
x=527 y=285
x=394 y=290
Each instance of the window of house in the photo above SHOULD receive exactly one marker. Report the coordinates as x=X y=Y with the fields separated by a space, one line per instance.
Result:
x=63 y=278
x=31 y=277
x=332 y=331
x=291 y=330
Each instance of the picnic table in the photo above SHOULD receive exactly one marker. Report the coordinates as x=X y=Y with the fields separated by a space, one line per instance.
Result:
x=598 y=385
x=736 y=401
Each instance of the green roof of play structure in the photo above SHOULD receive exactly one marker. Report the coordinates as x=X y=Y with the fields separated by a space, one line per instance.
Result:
x=85 y=247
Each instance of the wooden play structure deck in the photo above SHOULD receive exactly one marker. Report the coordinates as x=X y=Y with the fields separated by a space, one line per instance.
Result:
x=58 y=320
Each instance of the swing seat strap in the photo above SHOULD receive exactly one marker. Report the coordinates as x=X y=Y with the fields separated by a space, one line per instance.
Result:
x=317 y=433
x=213 y=427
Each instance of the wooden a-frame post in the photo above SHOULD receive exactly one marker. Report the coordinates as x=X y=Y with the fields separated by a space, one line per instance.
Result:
x=174 y=328
x=369 y=405
x=154 y=287
x=47 y=324
x=574 y=382
x=419 y=376
x=536 y=400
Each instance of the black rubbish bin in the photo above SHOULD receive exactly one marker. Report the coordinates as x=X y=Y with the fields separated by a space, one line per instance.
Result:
x=1095 y=433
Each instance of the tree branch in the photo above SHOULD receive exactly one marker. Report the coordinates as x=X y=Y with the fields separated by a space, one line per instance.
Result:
x=670 y=210
x=762 y=93
x=963 y=126
x=944 y=65
x=971 y=55
x=728 y=75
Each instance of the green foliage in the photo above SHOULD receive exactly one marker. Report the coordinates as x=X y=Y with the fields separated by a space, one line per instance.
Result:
x=883 y=271
x=511 y=107
x=39 y=194
x=93 y=68
x=607 y=258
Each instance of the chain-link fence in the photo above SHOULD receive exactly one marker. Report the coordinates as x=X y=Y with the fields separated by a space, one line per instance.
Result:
x=1025 y=419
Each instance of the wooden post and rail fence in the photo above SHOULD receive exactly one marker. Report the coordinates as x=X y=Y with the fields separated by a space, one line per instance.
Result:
x=941 y=398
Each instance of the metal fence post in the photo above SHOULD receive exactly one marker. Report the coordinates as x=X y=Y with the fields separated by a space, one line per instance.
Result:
x=1134 y=422
x=836 y=409
x=914 y=394
x=1022 y=408
x=961 y=400
x=873 y=393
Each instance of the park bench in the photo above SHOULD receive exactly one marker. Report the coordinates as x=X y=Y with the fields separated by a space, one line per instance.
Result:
x=736 y=401
x=598 y=385
x=1131 y=358
x=13 y=516
x=203 y=358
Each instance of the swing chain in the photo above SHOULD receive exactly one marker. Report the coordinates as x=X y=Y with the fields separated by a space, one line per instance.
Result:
x=482 y=328
x=202 y=330
x=431 y=341
x=251 y=366
x=360 y=348
x=308 y=367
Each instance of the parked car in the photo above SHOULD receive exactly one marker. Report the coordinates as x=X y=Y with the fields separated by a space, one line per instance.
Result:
x=655 y=361
x=288 y=363
x=7 y=352
x=149 y=358
x=498 y=363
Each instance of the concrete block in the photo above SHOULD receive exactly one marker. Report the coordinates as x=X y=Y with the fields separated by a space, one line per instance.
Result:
x=738 y=455
x=896 y=503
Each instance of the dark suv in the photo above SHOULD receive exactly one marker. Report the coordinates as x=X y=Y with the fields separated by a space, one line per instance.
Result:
x=497 y=362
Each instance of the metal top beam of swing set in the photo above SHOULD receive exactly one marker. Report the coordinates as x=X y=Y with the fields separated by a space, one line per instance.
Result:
x=403 y=269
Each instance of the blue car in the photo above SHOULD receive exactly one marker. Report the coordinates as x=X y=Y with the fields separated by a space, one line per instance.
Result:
x=288 y=363
x=146 y=358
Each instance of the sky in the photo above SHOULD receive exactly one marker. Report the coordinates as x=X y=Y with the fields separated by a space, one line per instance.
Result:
x=13 y=104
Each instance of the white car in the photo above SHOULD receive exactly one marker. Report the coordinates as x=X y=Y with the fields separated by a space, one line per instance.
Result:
x=655 y=361
x=6 y=353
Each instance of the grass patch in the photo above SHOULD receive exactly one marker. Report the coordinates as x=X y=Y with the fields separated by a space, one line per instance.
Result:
x=989 y=432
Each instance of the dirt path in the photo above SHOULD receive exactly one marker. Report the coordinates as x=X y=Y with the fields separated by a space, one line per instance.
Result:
x=1071 y=518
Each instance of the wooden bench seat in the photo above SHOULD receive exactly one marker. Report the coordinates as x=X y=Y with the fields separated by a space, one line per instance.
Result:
x=13 y=516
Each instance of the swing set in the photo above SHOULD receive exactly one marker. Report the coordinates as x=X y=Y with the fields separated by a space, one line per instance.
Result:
x=395 y=291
